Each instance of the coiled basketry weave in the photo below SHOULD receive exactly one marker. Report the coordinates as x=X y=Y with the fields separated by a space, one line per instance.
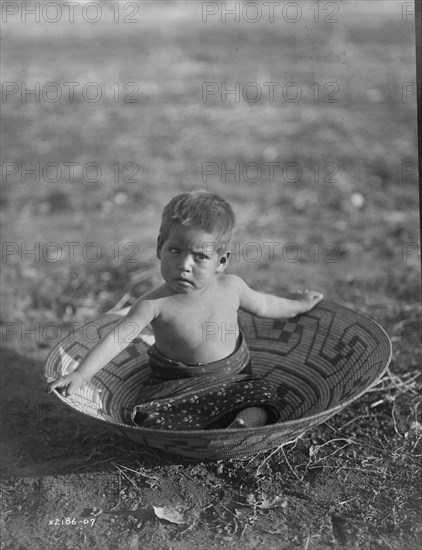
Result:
x=319 y=362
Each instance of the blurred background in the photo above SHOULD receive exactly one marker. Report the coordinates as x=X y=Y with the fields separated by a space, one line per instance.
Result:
x=131 y=104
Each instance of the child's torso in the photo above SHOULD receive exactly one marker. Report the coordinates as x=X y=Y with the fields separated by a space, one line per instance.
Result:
x=195 y=330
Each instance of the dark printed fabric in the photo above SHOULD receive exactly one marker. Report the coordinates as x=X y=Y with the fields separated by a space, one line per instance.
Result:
x=182 y=397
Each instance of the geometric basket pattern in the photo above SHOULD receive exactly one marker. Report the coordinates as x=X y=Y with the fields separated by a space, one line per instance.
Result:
x=319 y=362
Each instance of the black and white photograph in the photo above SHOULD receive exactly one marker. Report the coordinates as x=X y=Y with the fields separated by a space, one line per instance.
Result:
x=211 y=275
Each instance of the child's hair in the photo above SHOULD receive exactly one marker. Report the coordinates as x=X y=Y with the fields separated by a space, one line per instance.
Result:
x=207 y=211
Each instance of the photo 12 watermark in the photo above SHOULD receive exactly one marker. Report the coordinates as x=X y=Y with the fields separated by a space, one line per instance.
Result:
x=408 y=12
x=33 y=412
x=410 y=251
x=52 y=333
x=270 y=12
x=70 y=92
x=409 y=171
x=69 y=172
x=71 y=12
x=71 y=252
x=267 y=330
x=270 y=171
x=279 y=251
x=408 y=90
x=271 y=92
x=410 y=330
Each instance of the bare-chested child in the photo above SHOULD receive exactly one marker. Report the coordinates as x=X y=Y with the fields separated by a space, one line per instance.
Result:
x=193 y=248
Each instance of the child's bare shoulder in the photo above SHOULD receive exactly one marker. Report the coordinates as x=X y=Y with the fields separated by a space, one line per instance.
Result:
x=162 y=291
x=152 y=300
x=231 y=282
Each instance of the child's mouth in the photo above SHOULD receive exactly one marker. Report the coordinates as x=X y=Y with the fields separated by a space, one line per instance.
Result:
x=182 y=280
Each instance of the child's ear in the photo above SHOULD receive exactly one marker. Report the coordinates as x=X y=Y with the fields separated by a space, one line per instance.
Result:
x=222 y=262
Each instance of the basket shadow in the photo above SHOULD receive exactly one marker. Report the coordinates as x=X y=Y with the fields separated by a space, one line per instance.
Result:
x=42 y=436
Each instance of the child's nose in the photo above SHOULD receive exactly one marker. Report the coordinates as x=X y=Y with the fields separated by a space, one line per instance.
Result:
x=185 y=262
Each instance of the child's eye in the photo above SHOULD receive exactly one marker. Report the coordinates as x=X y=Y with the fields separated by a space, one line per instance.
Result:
x=174 y=251
x=201 y=258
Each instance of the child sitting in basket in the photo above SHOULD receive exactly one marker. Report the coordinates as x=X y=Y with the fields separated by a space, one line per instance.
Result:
x=200 y=362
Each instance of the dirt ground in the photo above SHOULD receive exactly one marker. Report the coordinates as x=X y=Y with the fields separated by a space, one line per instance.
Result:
x=71 y=483
x=353 y=482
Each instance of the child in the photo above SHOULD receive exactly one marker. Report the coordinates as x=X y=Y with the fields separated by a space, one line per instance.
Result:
x=201 y=376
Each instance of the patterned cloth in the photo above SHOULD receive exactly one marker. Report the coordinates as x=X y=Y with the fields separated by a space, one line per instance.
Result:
x=180 y=396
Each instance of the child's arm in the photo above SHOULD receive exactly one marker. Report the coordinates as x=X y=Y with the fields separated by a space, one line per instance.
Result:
x=115 y=341
x=274 y=307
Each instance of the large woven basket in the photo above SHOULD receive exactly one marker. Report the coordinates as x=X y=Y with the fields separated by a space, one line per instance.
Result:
x=319 y=362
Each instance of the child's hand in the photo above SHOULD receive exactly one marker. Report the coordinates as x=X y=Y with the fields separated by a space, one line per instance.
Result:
x=310 y=298
x=71 y=382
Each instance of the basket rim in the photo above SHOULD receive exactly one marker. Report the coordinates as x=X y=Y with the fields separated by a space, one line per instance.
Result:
x=264 y=430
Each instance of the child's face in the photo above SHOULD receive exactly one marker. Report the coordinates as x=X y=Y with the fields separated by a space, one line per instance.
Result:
x=188 y=259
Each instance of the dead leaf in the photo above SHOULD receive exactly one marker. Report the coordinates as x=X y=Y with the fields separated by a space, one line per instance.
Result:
x=250 y=499
x=170 y=513
x=267 y=503
x=242 y=512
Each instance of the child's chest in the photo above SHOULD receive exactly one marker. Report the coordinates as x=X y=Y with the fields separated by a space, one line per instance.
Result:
x=193 y=314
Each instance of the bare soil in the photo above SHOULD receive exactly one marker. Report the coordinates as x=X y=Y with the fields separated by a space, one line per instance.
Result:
x=68 y=482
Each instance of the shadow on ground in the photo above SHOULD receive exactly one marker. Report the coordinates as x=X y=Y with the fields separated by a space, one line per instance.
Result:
x=41 y=436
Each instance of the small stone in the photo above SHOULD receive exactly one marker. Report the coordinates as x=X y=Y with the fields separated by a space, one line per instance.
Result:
x=358 y=200
x=120 y=198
